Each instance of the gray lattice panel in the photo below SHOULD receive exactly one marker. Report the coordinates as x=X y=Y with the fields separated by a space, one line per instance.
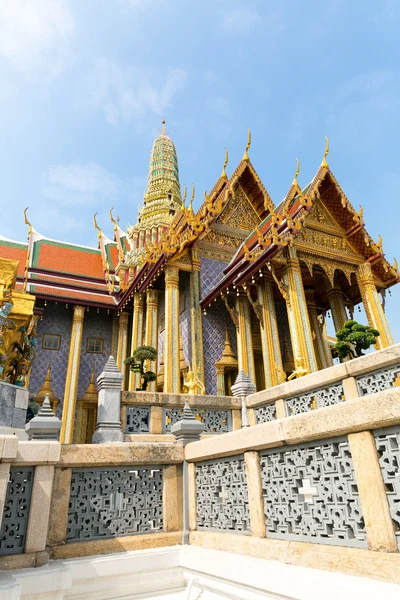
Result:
x=310 y=494
x=327 y=396
x=16 y=510
x=265 y=413
x=114 y=501
x=215 y=421
x=137 y=419
x=378 y=381
x=222 y=498
x=388 y=445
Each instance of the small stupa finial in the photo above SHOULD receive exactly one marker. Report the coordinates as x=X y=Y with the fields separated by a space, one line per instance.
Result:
x=163 y=128
x=246 y=152
x=223 y=174
x=324 y=161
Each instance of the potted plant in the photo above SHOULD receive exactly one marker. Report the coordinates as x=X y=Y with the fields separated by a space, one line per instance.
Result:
x=353 y=338
x=136 y=364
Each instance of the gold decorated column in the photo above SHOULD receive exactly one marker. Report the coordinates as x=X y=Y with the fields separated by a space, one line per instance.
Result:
x=171 y=339
x=245 y=337
x=372 y=305
x=114 y=338
x=338 y=308
x=269 y=334
x=196 y=320
x=321 y=346
x=122 y=342
x=151 y=336
x=71 y=384
x=299 y=323
x=137 y=336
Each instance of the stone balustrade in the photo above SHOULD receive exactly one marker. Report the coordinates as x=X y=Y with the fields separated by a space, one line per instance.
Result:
x=149 y=416
x=352 y=379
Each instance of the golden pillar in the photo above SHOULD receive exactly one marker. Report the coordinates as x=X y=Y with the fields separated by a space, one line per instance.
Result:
x=245 y=337
x=321 y=346
x=373 y=307
x=338 y=308
x=71 y=384
x=122 y=346
x=114 y=337
x=137 y=336
x=171 y=341
x=151 y=336
x=196 y=320
x=299 y=323
x=269 y=334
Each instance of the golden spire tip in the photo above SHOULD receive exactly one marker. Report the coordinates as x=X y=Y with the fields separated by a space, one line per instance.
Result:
x=246 y=152
x=223 y=174
x=297 y=172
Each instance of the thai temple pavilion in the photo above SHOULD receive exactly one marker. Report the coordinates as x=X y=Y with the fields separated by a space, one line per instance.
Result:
x=239 y=284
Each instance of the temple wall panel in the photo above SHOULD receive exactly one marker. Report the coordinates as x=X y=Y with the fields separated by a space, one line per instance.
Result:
x=57 y=320
x=215 y=323
x=184 y=315
x=211 y=271
x=95 y=325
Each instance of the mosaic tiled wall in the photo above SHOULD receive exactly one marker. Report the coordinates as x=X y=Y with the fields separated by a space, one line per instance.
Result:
x=95 y=325
x=215 y=323
x=184 y=315
x=210 y=273
x=57 y=320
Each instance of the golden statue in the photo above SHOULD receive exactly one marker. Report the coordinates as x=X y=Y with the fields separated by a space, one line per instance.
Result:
x=299 y=371
x=192 y=384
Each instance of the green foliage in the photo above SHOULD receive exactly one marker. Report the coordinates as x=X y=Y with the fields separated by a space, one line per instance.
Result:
x=361 y=337
x=136 y=364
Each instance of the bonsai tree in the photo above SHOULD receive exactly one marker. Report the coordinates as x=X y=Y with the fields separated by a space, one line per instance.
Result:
x=354 y=338
x=136 y=364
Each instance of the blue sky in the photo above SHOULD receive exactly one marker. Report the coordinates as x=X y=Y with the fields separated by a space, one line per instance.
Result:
x=85 y=84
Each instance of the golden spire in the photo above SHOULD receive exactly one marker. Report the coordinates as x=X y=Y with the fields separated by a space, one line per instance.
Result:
x=96 y=226
x=324 y=161
x=47 y=389
x=27 y=222
x=246 y=152
x=228 y=358
x=91 y=392
x=163 y=128
x=223 y=174
x=295 y=182
x=191 y=200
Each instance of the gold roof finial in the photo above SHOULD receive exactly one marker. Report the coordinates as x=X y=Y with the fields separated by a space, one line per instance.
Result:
x=96 y=226
x=223 y=174
x=184 y=196
x=324 y=161
x=191 y=200
x=395 y=265
x=27 y=222
x=297 y=172
x=246 y=152
x=113 y=220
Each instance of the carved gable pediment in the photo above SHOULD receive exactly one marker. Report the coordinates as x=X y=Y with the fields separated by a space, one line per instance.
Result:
x=322 y=219
x=239 y=213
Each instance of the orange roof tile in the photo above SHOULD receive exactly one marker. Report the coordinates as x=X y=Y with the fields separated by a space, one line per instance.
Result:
x=14 y=251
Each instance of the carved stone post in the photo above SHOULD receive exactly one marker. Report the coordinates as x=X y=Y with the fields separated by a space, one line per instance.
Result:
x=108 y=428
x=45 y=425
x=137 y=336
x=242 y=388
x=171 y=343
x=71 y=384
x=373 y=307
x=187 y=429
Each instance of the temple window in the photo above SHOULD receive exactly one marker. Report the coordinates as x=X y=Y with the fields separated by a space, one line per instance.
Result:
x=51 y=341
x=94 y=346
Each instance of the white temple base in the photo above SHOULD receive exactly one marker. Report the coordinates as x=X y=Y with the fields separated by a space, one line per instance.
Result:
x=184 y=573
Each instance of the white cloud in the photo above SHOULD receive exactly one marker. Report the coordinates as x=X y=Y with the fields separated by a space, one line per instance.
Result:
x=80 y=184
x=125 y=92
x=240 y=20
x=34 y=33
